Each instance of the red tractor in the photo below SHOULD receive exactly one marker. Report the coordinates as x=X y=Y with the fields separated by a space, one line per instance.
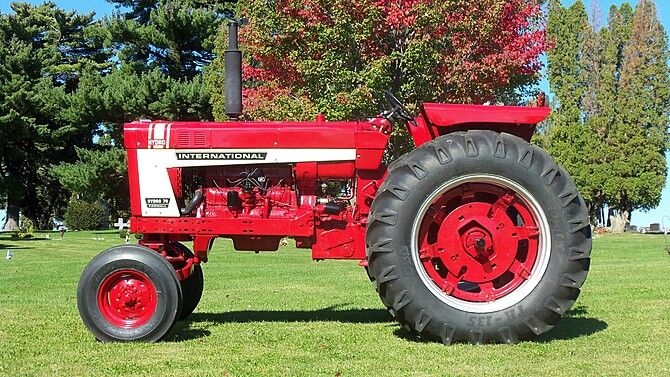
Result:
x=474 y=236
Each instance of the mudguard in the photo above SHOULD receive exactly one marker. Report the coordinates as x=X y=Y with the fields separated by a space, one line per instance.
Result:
x=515 y=120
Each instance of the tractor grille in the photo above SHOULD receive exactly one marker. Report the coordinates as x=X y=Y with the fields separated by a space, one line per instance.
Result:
x=187 y=139
x=199 y=139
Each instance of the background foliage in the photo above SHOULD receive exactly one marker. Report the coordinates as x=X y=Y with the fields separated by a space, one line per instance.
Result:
x=82 y=215
x=68 y=81
x=611 y=105
x=337 y=57
x=43 y=50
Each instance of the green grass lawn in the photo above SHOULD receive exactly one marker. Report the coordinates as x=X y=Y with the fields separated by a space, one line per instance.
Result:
x=277 y=314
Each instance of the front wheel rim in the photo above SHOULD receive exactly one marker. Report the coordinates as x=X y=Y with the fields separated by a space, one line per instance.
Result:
x=127 y=298
x=481 y=243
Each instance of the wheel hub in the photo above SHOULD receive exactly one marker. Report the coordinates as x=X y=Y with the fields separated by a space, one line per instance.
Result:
x=477 y=242
x=127 y=298
x=481 y=256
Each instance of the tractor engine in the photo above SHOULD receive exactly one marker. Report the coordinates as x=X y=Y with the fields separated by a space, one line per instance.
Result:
x=323 y=192
x=258 y=192
x=252 y=192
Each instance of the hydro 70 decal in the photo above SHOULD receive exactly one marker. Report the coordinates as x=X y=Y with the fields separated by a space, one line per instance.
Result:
x=158 y=202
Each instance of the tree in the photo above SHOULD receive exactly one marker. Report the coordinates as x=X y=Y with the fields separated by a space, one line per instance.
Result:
x=573 y=67
x=43 y=51
x=639 y=136
x=606 y=63
x=101 y=171
x=337 y=57
x=98 y=174
x=600 y=105
x=81 y=215
x=174 y=36
x=160 y=48
x=612 y=99
x=592 y=61
x=565 y=31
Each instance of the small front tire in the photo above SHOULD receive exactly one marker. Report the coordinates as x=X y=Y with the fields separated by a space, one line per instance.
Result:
x=129 y=293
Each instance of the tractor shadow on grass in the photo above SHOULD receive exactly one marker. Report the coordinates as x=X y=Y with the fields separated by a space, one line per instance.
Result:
x=183 y=331
x=574 y=324
x=13 y=247
x=329 y=314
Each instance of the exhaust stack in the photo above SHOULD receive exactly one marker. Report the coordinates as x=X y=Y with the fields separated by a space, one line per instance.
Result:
x=233 y=66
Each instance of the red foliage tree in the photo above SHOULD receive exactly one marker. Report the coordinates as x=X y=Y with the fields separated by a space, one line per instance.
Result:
x=337 y=56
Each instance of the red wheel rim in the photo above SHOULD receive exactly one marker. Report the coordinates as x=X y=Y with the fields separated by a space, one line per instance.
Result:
x=479 y=241
x=127 y=298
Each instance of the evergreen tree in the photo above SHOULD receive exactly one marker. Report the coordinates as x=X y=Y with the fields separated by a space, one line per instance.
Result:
x=160 y=49
x=605 y=89
x=592 y=62
x=638 y=135
x=98 y=174
x=565 y=31
x=612 y=99
x=173 y=36
x=43 y=51
x=573 y=66
x=594 y=166
x=600 y=108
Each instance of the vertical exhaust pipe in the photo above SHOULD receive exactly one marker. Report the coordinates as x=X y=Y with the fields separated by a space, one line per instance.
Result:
x=233 y=66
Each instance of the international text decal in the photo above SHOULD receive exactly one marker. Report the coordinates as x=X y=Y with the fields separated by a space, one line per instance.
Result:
x=239 y=156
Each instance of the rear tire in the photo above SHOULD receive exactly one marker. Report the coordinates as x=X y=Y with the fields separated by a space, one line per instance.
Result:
x=129 y=293
x=478 y=237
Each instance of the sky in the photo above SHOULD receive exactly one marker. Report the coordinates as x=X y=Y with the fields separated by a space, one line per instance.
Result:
x=102 y=8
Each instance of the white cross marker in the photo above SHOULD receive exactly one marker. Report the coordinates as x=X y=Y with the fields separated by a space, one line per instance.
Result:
x=120 y=224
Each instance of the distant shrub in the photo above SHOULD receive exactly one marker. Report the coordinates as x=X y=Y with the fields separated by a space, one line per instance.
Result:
x=81 y=215
x=26 y=228
x=21 y=235
x=26 y=224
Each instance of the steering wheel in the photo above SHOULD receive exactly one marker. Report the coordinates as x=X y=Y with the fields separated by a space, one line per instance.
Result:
x=397 y=109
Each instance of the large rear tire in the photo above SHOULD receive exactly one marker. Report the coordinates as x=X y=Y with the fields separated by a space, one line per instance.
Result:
x=478 y=237
x=129 y=293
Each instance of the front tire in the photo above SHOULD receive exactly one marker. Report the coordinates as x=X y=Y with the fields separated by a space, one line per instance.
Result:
x=129 y=293
x=478 y=237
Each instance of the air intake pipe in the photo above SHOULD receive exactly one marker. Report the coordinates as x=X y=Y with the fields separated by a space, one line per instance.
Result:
x=233 y=66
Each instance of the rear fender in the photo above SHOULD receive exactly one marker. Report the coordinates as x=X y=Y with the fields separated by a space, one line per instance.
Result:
x=438 y=119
